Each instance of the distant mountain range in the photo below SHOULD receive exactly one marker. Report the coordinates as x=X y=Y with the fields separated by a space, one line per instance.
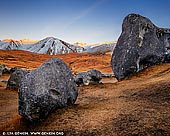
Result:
x=23 y=41
x=100 y=47
x=10 y=45
x=52 y=46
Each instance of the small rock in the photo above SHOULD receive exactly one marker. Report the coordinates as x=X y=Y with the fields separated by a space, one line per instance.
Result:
x=15 y=78
x=95 y=75
x=16 y=68
x=82 y=78
x=85 y=78
x=4 y=69
x=104 y=74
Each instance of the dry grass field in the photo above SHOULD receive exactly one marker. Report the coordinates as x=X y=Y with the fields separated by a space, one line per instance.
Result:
x=138 y=105
x=77 y=61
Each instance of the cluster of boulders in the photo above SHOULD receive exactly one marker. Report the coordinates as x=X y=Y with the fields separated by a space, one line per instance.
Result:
x=16 y=74
x=44 y=89
x=85 y=78
x=50 y=86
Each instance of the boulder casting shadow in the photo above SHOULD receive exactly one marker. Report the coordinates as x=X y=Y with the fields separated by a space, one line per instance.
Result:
x=141 y=44
x=48 y=87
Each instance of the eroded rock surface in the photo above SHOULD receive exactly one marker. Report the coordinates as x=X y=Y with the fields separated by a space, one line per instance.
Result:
x=48 y=87
x=141 y=44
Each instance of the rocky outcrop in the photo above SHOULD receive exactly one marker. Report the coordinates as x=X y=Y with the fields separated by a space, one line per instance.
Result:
x=141 y=44
x=48 y=87
x=85 y=78
x=15 y=78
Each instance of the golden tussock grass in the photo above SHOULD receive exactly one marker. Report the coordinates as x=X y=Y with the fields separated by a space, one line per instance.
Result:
x=138 y=105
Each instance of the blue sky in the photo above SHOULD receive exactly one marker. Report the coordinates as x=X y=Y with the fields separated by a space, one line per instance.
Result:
x=90 y=21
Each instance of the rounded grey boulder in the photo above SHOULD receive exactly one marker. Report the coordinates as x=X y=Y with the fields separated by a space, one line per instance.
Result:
x=82 y=78
x=85 y=78
x=95 y=75
x=48 y=87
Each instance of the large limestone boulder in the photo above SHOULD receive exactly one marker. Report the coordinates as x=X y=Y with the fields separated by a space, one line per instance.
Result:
x=141 y=44
x=48 y=87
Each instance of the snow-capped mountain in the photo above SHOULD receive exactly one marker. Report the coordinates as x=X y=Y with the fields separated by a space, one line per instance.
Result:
x=52 y=46
x=101 y=47
x=11 y=45
x=49 y=45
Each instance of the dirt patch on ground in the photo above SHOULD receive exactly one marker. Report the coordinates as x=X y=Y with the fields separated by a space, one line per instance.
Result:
x=151 y=114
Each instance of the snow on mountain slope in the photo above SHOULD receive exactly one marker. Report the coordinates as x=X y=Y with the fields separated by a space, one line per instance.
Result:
x=12 y=45
x=52 y=46
x=49 y=45
x=106 y=47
